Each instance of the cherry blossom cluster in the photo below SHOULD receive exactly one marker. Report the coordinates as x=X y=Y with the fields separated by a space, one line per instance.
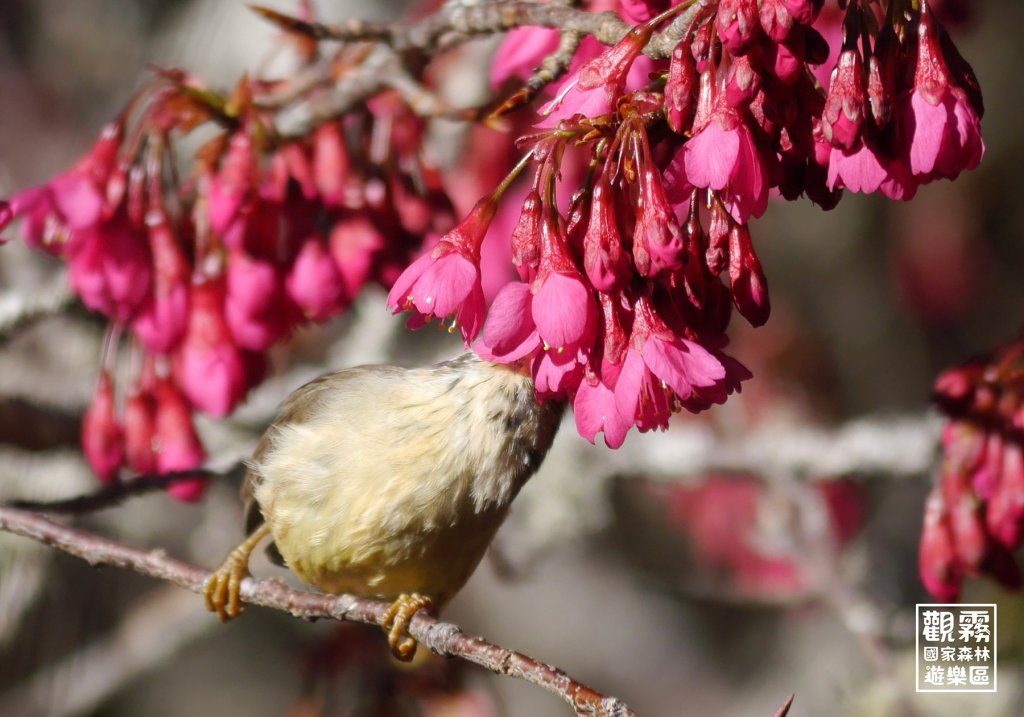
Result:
x=974 y=517
x=633 y=243
x=205 y=275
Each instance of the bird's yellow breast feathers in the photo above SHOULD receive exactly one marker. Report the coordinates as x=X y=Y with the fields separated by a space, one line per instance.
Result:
x=392 y=480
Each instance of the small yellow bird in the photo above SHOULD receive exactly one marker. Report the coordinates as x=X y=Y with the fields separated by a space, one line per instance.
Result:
x=390 y=483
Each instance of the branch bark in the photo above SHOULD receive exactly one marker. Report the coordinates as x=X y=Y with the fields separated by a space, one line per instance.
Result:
x=443 y=638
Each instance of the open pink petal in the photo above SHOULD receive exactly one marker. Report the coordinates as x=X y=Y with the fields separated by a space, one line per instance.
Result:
x=563 y=310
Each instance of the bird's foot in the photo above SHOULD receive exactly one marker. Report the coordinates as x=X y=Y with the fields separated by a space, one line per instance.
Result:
x=222 y=590
x=396 y=624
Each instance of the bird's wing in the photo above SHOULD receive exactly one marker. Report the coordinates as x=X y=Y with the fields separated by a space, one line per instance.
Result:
x=297 y=408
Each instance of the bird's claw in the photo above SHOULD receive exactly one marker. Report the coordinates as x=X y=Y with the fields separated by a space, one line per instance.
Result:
x=396 y=624
x=222 y=591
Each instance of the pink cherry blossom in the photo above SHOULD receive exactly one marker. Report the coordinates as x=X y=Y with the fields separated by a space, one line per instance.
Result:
x=657 y=239
x=330 y=163
x=110 y=268
x=595 y=412
x=943 y=126
x=940 y=572
x=140 y=432
x=563 y=306
x=661 y=367
x=208 y=366
x=865 y=170
x=446 y=280
x=255 y=307
x=522 y=50
x=723 y=156
x=592 y=90
x=161 y=322
x=314 y=282
x=176 y=443
x=555 y=374
x=232 y=184
x=509 y=333
x=604 y=258
x=738 y=24
x=102 y=434
x=845 y=104
x=355 y=243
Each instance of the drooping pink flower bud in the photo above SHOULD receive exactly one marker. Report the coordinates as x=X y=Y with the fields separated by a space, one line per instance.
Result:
x=657 y=239
x=937 y=562
x=140 y=432
x=255 y=307
x=604 y=259
x=716 y=256
x=593 y=89
x=882 y=68
x=970 y=541
x=355 y=243
x=231 y=185
x=176 y=443
x=161 y=322
x=102 y=435
x=110 y=268
x=208 y=366
x=526 y=238
x=747 y=281
x=78 y=197
x=788 y=60
x=776 y=20
x=314 y=282
x=563 y=305
x=1005 y=512
x=743 y=82
x=738 y=24
x=943 y=126
x=723 y=156
x=845 y=104
x=681 y=89
x=330 y=163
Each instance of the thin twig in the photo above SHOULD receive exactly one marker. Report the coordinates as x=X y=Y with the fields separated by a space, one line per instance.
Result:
x=113 y=494
x=399 y=53
x=456 y=23
x=443 y=638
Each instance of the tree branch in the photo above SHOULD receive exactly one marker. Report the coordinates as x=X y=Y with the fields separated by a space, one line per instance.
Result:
x=443 y=638
x=111 y=495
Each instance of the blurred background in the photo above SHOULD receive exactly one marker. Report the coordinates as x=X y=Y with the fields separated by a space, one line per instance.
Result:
x=768 y=547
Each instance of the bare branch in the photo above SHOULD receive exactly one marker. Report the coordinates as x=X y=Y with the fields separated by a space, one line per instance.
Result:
x=398 y=51
x=113 y=494
x=457 y=22
x=443 y=638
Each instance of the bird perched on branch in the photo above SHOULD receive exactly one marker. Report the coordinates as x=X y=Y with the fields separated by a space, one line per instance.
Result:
x=390 y=483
